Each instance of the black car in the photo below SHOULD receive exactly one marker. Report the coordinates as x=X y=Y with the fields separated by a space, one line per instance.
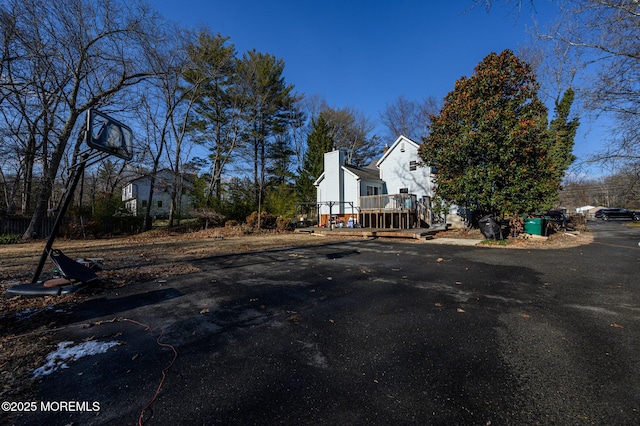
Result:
x=606 y=214
x=556 y=216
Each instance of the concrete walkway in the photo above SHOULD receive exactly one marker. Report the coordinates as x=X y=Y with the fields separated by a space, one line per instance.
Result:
x=454 y=241
x=426 y=234
x=414 y=233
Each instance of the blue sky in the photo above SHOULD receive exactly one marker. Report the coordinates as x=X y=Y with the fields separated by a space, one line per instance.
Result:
x=365 y=54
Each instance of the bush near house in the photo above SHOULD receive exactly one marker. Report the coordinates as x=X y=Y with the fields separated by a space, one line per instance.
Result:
x=266 y=220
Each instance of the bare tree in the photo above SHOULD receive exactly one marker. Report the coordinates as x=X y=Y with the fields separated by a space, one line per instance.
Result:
x=409 y=118
x=352 y=131
x=28 y=100
x=177 y=100
x=85 y=53
x=153 y=140
x=606 y=33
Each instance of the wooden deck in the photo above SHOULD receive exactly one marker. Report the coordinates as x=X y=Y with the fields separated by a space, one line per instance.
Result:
x=415 y=233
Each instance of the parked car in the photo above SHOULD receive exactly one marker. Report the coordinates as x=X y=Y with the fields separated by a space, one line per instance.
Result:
x=556 y=216
x=606 y=214
x=553 y=216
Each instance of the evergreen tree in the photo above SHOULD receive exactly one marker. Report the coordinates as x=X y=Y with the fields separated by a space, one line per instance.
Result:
x=279 y=193
x=270 y=108
x=319 y=141
x=562 y=132
x=280 y=154
x=490 y=141
x=214 y=122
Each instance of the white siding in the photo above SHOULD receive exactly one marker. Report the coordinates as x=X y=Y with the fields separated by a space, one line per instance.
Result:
x=351 y=193
x=395 y=167
x=333 y=176
x=339 y=184
x=332 y=186
x=136 y=193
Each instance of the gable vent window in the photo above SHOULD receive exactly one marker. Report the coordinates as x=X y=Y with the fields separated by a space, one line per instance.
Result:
x=412 y=165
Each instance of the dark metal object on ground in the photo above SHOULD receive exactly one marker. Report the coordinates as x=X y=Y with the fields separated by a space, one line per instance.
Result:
x=490 y=228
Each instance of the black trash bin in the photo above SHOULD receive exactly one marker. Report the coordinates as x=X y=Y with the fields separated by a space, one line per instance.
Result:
x=490 y=228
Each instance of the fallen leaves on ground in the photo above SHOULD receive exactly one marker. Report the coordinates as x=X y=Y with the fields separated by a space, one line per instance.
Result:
x=27 y=325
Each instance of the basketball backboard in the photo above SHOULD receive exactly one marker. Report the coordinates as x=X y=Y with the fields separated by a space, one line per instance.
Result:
x=109 y=135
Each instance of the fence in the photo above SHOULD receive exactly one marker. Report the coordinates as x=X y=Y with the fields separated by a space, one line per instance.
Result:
x=74 y=228
x=18 y=225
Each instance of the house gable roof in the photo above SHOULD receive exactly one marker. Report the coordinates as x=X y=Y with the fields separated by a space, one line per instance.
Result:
x=363 y=173
x=320 y=179
x=401 y=139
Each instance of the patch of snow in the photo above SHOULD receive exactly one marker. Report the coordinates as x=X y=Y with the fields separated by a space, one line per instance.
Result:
x=66 y=352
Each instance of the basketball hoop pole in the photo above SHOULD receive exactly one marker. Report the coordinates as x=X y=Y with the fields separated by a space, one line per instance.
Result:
x=124 y=150
x=68 y=196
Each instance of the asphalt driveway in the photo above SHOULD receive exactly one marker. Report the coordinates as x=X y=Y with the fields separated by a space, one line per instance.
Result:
x=365 y=332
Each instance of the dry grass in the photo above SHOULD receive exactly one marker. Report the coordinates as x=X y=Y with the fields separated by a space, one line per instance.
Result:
x=26 y=325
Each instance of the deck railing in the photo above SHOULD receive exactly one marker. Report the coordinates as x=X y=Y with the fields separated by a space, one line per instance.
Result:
x=388 y=202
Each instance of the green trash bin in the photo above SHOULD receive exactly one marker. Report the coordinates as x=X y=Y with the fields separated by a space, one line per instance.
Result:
x=534 y=225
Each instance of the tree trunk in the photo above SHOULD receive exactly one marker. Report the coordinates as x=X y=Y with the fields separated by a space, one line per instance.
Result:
x=50 y=171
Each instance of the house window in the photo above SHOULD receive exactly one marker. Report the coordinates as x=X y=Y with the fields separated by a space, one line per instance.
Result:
x=412 y=166
x=404 y=190
x=160 y=204
x=372 y=190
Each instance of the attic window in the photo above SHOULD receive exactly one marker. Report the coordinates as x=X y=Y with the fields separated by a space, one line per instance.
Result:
x=412 y=165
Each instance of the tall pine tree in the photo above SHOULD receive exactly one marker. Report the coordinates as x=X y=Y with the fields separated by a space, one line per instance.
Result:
x=270 y=108
x=319 y=141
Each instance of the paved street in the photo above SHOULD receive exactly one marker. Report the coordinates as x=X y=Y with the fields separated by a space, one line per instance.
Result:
x=369 y=332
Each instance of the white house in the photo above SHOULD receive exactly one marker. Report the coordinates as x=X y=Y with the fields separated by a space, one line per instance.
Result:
x=135 y=194
x=585 y=209
x=400 y=169
x=391 y=193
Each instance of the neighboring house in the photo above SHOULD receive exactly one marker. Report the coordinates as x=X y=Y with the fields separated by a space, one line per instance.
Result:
x=135 y=195
x=393 y=192
x=585 y=209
